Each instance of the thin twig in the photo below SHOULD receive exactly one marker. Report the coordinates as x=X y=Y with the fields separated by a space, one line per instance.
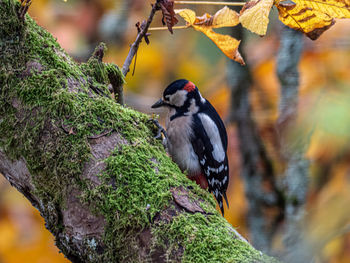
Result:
x=165 y=28
x=209 y=3
x=134 y=47
x=133 y=70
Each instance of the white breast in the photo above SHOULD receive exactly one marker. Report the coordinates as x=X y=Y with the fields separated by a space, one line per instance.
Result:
x=179 y=144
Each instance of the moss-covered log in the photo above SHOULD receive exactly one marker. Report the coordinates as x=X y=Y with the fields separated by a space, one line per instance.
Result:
x=106 y=189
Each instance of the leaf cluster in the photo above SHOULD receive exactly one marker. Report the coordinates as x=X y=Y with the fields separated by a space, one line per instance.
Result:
x=308 y=16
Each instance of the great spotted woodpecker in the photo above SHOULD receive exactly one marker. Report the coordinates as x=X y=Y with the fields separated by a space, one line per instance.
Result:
x=196 y=137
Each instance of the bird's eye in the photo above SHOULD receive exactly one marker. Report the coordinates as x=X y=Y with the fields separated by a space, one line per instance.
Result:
x=166 y=97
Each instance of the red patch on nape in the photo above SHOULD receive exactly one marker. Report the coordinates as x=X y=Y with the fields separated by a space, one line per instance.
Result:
x=189 y=87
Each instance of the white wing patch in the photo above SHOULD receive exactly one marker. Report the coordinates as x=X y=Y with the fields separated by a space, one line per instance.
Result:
x=216 y=193
x=211 y=182
x=214 y=136
x=215 y=170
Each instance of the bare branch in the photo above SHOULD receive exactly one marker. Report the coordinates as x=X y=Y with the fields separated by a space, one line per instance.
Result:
x=165 y=28
x=141 y=34
x=210 y=3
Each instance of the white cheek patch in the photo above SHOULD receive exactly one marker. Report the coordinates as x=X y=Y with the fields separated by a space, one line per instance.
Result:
x=193 y=107
x=178 y=98
x=214 y=136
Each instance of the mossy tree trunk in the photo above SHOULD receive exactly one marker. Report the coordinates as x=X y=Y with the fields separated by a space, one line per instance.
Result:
x=106 y=189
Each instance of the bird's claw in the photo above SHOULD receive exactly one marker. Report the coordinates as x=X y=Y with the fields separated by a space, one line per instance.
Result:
x=24 y=8
x=160 y=130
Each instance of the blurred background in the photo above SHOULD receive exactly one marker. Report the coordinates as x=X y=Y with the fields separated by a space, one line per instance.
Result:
x=323 y=114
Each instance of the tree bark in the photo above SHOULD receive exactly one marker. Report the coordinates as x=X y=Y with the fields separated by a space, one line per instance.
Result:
x=106 y=189
x=266 y=203
x=296 y=174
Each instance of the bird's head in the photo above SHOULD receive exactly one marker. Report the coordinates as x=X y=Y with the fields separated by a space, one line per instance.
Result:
x=182 y=95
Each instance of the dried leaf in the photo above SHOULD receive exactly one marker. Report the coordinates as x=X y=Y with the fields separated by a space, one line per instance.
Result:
x=255 y=16
x=306 y=19
x=227 y=44
x=71 y=131
x=312 y=17
x=225 y=17
x=167 y=7
x=333 y=8
x=187 y=14
x=181 y=198
x=205 y=24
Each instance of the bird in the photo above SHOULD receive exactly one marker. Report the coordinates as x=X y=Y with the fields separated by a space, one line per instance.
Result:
x=196 y=137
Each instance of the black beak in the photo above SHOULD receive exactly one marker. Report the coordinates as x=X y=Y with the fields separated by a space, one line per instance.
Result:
x=158 y=104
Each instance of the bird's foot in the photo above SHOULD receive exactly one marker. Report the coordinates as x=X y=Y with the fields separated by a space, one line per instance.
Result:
x=160 y=130
x=25 y=4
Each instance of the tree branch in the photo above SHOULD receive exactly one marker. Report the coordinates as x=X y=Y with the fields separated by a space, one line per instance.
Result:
x=209 y=3
x=256 y=168
x=142 y=33
x=296 y=175
x=135 y=46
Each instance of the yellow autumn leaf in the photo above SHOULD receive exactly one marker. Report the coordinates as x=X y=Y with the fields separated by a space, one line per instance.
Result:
x=227 y=44
x=311 y=17
x=187 y=14
x=255 y=16
x=225 y=17
x=310 y=21
x=333 y=8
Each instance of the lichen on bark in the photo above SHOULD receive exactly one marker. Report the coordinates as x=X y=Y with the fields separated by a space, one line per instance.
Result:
x=91 y=167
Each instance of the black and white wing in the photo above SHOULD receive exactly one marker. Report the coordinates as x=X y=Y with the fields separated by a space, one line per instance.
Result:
x=209 y=142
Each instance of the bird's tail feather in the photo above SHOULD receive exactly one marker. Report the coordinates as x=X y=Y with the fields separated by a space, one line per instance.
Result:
x=224 y=195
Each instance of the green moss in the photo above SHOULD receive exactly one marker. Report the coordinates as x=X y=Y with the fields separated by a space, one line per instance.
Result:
x=212 y=243
x=135 y=188
x=36 y=71
x=64 y=104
